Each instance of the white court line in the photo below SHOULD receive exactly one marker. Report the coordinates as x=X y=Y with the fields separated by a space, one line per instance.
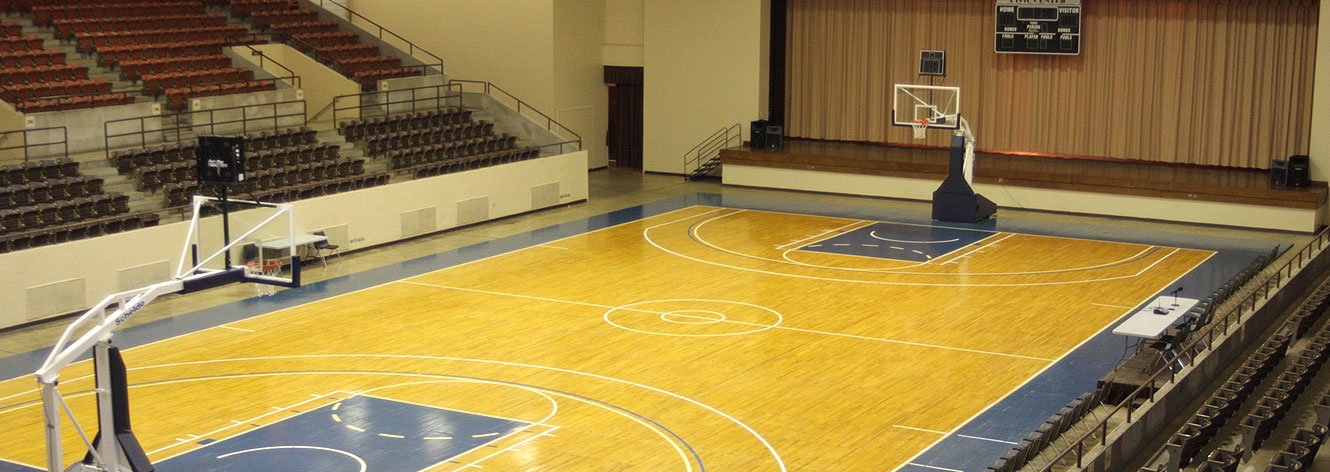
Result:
x=919 y=429
x=1036 y=375
x=551 y=247
x=966 y=436
x=935 y=467
x=1114 y=306
x=966 y=253
x=694 y=232
x=646 y=235
x=21 y=463
x=818 y=235
x=874 y=235
x=828 y=333
x=492 y=256
x=476 y=462
x=235 y=328
x=780 y=463
x=235 y=423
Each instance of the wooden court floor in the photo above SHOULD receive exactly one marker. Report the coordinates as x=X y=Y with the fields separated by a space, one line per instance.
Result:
x=700 y=339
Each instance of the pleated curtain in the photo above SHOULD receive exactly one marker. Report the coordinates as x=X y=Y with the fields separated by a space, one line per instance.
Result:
x=1225 y=83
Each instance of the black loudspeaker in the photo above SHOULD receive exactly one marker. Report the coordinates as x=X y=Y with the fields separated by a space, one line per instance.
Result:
x=774 y=135
x=221 y=160
x=1299 y=171
x=1278 y=172
x=757 y=133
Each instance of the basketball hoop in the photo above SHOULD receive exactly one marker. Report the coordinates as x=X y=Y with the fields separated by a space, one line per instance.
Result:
x=268 y=267
x=920 y=128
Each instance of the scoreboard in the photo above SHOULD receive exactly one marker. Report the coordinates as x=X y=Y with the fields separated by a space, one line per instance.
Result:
x=1038 y=27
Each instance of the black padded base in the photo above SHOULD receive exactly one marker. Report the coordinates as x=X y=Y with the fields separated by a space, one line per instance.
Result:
x=961 y=207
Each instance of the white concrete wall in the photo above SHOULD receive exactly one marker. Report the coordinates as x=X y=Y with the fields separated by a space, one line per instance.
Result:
x=319 y=82
x=546 y=52
x=580 y=96
x=1319 y=151
x=84 y=272
x=507 y=42
x=623 y=33
x=702 y=66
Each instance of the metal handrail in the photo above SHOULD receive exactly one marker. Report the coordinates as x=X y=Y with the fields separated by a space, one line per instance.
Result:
x=1197 y=345
x=427 y=165
x=439 y=99
x=336 y=64
x=549 y=122
x=294 y=79
x=712 y=144
x=244 y=121
x=411 y=47
x=64 y=141
x=132 y=91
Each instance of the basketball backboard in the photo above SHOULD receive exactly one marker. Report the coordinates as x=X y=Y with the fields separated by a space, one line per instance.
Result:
x=939 y=105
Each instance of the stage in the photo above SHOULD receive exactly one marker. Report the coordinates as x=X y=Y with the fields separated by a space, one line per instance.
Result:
x=1170 y=192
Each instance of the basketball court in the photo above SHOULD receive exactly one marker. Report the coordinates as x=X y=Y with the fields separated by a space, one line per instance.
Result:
x=702 y=332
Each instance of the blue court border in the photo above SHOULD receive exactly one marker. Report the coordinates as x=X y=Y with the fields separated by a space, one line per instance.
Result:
x=971 y=448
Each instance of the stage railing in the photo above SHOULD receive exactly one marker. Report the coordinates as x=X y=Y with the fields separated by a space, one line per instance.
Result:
x=28 y=145
x=1199 y=343
x=709 y=148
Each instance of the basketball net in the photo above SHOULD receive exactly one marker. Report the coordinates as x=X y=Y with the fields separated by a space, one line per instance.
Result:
x=920 y=128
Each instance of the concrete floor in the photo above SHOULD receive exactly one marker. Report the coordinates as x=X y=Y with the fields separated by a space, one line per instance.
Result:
x=610 y=190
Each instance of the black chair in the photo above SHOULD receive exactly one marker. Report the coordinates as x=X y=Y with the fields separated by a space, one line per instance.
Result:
x=323 y=249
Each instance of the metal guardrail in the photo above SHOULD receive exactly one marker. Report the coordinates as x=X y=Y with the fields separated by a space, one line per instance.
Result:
x=1198 y=343
x=411 y=48
x=27 y=144
x=275 y=117
x=520 y=105
x=710 y=146
x=291 y=78
x=442 y=94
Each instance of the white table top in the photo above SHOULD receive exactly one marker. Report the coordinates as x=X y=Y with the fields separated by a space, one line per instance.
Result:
x=1146 y=324
x=300 y=240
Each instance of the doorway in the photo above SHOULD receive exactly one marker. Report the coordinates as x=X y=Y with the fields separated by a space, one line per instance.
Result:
x=623 y=134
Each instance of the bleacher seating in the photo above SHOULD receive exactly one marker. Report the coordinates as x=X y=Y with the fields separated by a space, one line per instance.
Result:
x=435 y=142
x=67 y=28
x=94 y=41
x=282 y=165
x=158 y=83
x=1223 y=404
x=45 y=14
x=1057 y=425
x=48 y=202
x=35 y=79
x=324 y=40
x=175 y=47
x=1273 y=404
x=134 y=69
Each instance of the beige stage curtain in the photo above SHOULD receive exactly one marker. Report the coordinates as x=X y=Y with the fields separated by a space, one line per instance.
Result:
x=1214 y=82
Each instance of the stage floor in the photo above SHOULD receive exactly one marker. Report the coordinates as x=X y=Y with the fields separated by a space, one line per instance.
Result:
x=702 y=332
x=1116 y=177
